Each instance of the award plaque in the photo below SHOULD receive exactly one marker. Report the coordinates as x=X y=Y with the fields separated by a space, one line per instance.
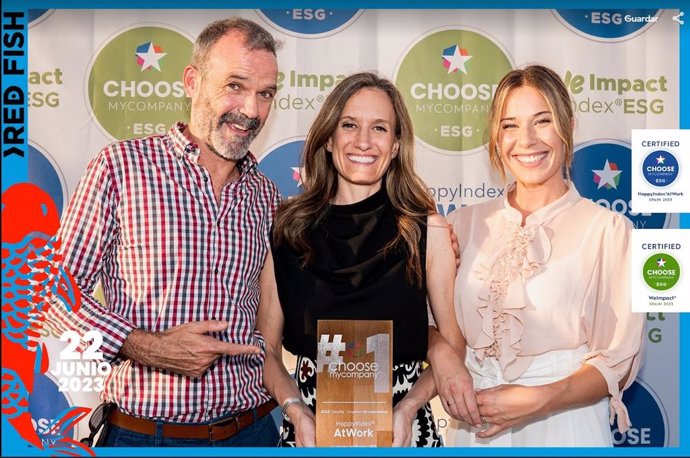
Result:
x=354 y=405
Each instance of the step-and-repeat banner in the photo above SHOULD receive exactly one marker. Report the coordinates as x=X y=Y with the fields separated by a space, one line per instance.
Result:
x=98 y=76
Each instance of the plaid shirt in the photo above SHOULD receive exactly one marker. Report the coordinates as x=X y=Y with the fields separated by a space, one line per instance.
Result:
x=145 y=223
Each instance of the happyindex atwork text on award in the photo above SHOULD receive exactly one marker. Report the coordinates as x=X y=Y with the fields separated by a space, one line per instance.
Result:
x=353 y=381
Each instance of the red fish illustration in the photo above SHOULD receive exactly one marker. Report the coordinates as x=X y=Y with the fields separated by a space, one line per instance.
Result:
x=33 y=280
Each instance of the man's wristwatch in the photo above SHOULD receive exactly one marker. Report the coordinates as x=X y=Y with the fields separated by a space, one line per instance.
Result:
x=288 y=402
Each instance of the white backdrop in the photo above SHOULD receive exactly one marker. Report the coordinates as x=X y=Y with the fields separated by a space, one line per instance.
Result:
x=89 y=89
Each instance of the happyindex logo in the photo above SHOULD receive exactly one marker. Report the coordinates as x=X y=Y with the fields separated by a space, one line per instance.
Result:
x=448 y=78
x=659 y=184
x=135 y=83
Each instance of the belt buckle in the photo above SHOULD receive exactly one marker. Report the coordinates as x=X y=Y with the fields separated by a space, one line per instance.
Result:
x=234 y=418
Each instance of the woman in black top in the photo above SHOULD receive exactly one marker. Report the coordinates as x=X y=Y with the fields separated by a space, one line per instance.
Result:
x=361 y=242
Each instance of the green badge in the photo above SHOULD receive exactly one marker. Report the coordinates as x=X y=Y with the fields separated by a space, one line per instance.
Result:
x=661 y=271
x=448 y=80
x=135 y=82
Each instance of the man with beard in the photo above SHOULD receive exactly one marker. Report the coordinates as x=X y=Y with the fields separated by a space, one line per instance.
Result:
x=176 y=227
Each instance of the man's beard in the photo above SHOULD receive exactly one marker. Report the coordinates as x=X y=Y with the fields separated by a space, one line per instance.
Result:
x=236 y=147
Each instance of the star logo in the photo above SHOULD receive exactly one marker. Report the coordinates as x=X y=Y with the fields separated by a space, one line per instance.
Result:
x=297 y=174
x=149 y=56
x=608 y=177
x=661 y=262
x=455 y=58
x=660 y=159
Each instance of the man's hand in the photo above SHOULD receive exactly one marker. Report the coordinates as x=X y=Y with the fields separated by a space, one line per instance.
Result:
x=185 y=349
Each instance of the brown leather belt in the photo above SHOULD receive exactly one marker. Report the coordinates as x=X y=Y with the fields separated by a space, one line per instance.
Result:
x=220 y=430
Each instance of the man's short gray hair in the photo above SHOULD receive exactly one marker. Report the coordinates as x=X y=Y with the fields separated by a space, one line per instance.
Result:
x=255 y=38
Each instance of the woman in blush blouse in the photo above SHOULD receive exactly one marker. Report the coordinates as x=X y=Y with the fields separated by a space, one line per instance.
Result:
x=542 y=293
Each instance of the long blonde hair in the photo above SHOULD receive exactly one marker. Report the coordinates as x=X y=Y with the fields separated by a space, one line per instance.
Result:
x=409 y=196
x=554 y=91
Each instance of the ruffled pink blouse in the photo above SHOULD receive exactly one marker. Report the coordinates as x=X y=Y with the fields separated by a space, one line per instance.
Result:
x=556 y=283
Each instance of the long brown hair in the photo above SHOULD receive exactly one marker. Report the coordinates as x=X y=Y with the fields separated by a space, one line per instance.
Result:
x=550 y=85
x=408 y=194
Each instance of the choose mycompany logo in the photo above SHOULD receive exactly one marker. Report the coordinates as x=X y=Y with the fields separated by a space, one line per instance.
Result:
x=660 y=168
x=46 y=404
x=448 y=79
x=135 y=82
x=601 y=171
x=661 y=271
x=310 y=22
x=608 y=25
x=45 y=172
x=37 y=16
x=282 y=165
x=648 y=416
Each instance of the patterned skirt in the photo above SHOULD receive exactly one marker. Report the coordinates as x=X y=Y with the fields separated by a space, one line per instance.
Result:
x=424 y=432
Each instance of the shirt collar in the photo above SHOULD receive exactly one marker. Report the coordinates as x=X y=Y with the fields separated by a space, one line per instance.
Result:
x=184 y=147
x=547 y=212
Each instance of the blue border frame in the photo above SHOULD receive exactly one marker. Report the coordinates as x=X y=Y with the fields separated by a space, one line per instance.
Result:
x=370 y=4
x=14 y=171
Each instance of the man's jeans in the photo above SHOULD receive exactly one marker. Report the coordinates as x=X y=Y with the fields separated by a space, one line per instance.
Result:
x=261 y=433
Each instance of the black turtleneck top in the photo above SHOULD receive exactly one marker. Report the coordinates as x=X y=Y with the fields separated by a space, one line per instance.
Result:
x=351 y=278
